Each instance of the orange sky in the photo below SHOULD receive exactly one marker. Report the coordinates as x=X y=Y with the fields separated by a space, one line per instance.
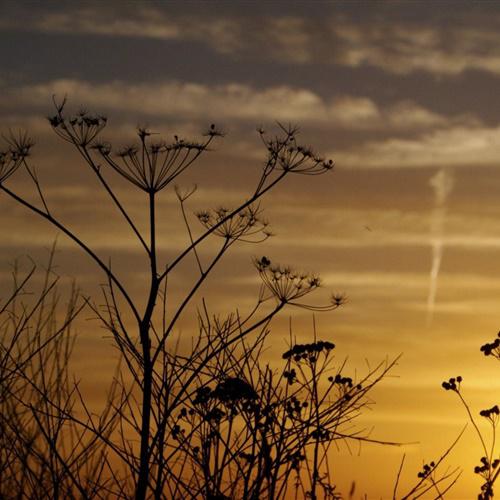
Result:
x=403 y=95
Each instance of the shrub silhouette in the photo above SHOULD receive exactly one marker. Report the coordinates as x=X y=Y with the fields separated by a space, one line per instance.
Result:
x=36 y=392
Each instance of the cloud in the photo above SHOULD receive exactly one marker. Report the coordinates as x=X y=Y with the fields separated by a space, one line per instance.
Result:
x=402 y=239
x=345 y=228
x=398 y=47
x=472 y=307
x=403 y=49
x=189 y=100
x=223 y=34
x=455 y=146
x=285 y=38
x=86 y=20
x=185 y=100
x=408 y=135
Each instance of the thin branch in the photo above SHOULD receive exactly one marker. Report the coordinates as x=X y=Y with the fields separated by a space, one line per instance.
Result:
x=79 y=242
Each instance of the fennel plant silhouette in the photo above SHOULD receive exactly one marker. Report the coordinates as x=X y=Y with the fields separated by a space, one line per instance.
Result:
x=211 y=422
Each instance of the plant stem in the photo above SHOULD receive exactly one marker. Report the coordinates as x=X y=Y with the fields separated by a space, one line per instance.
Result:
x=144 y=327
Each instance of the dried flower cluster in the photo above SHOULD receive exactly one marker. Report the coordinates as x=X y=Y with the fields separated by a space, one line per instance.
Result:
x=80 y=129
x=488 y=471
x=285 y=284
x=492 y=348
x=453 y=384
x=149 y=165
x=15 y=153
x=305 y=351
x=489 y=468
x=284 y=153
x=347 y=381
x=485 y=465
x=246 y=225
x=426 y=470
x=490 y=413
x=234 y=389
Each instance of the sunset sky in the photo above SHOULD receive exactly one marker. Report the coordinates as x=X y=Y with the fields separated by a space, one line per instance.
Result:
x=403 y=95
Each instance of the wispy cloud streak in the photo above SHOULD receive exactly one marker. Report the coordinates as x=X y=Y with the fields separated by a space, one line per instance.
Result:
x=442 y=184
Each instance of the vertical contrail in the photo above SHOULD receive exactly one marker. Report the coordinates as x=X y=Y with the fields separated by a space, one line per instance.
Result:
x=442 y=184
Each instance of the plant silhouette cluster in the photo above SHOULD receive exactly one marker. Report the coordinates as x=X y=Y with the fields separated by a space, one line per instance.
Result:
x=431 y=482
x=186 y=417
x=40 y=449
x=489 y=466
x=202 y=416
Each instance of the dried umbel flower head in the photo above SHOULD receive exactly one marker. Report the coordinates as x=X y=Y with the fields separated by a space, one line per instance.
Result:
x=426 y=470
x=152 y=165
x=284 y=153
x=246 y=225
x=492 y=348
x=485 y=465
x=80 y=129
x=234 y=389
x=213 y=131
x=492 y=413
x=453 y=384
x=320 y=434
x=149 y=165
x=293 y=407
x=488 y=471
x=203 y=395
x=285 y=284
x=289 y=375
x=12 y=157
x=346 y=382
x=304 y=351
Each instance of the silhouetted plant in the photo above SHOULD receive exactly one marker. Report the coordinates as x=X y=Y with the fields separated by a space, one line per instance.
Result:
x=489 y=467
x=432 y=481
x=254 y=428
x=202 y=420
x=43 y=454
